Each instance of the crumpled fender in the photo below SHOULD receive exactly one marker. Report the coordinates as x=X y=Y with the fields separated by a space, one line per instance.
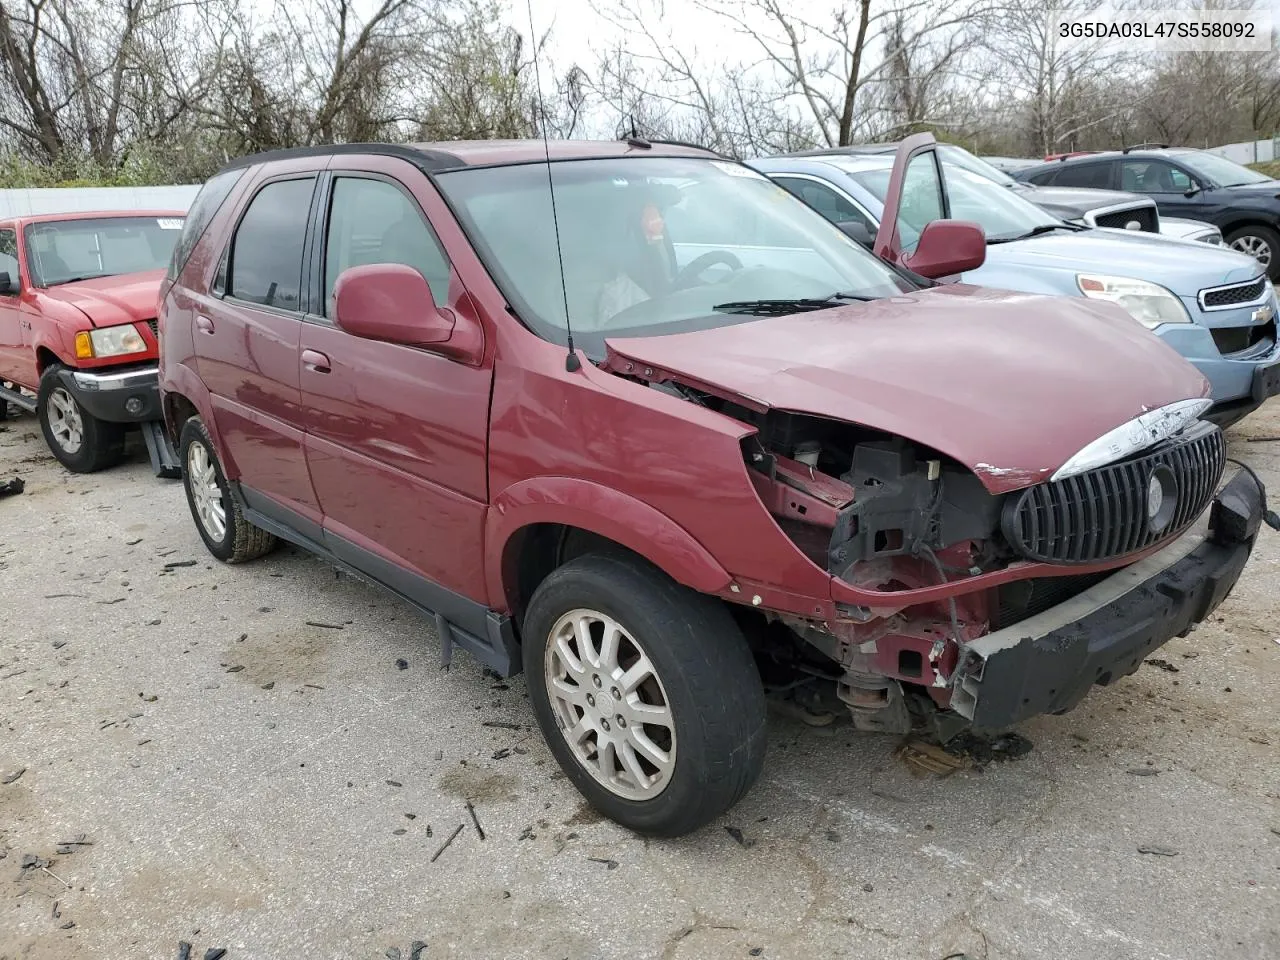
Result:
x=600 y=510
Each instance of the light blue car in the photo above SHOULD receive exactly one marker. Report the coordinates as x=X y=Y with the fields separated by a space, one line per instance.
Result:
x=1211 y=304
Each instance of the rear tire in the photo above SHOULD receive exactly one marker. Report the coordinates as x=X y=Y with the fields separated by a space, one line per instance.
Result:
x=81 y=442
x=662 y=729
x=218 y=515
x=1261 y=243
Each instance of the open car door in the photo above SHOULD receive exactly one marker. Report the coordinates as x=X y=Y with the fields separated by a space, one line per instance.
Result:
x=916 y=231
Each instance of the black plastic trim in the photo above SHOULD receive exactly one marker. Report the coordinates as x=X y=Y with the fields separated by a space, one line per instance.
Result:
x=427 y=161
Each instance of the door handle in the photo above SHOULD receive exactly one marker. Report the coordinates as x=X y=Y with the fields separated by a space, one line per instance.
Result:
x=203 y=323
x=315 y=360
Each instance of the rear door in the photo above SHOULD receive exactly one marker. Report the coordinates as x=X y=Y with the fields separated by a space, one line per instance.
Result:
x=246 y=344
x=916 y=197
x=396 y=436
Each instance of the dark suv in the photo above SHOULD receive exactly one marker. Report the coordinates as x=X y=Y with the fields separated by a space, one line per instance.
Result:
x=762 y=458
x=1242 y=203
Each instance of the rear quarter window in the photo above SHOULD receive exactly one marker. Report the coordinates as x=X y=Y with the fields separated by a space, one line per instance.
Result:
x=207 y=203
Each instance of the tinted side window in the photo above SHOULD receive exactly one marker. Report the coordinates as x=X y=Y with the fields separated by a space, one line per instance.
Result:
x=207 y=203
x=372 y=221
x=1152 y=176
x=1043 y=177
x=1084 y=175
x=9 y=256
x=826 y=201
x=266 y=252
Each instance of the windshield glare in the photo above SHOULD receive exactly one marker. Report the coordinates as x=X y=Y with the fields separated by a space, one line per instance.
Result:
x=64 y=250
x=1220 y=170
x=651 y=245
x=962 y=158
x=1002 y=214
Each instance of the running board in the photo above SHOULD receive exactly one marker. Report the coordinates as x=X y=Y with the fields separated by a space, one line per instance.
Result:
x=18 y=399
x=164 y=459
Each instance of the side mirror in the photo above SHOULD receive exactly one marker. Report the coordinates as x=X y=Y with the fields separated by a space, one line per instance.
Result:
x=1192 y=190
x=7 y=286
x=947 y=247
x=857 y=230
x=392 y=302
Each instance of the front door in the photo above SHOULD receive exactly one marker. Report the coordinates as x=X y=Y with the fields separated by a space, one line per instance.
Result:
x=1176 y=192
x=246 y=343
x=917 y=196
x=13 y=362
x=397 y=436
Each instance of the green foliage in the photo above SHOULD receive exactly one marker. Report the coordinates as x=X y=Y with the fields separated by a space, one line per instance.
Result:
x=1271 y=169
x=136 y=171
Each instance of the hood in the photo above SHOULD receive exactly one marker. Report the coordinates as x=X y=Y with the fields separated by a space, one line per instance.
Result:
x=1010 y=385
x=1270 y=188
x=1073 y=202
x=1126 y=253
x=108 y=301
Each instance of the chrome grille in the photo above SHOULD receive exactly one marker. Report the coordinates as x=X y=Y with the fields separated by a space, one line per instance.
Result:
x=1234 y=294
x=1120 y=219
x=1102 y=513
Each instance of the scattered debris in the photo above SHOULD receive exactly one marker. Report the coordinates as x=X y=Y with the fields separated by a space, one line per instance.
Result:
x=323 y=625
x=833 y=836
x=394 y=783
x=149 y=697
x=445 y=846
x=393 y=953
x=174 y=564
x=399 y=831
x=867 y=888
x=402 y=664
x=502 y=753
x=415 y=950
x=471 y=809
x=737 y=835
x=983 y=750
x=65 y=847
x=528 y=834
x=1262 y=740
x=270 y=685
x=1261 y=439
x=31 y=861
x=1157 y=850
x=215 y=953
x=16 y=673
x=59 y=644
x=12 y=777
x=922 y=757
x=755 y=951
x=1191 y=654
x=236 y=669
x=439 y=754
x=608 y=864
x=133 y=543
x=1164 y=665
x=1143 y=772
x=11 y=488
x=503 y=724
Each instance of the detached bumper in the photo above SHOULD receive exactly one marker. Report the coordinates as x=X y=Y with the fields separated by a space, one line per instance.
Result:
x=130 y=395
x=1047 y=663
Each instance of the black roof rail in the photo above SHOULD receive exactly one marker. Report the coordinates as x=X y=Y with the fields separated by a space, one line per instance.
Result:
x=636 y=141
x=1146 y=146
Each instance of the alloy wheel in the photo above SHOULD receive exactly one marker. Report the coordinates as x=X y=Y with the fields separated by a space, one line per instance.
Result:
x=65 y=422
x=205 y=492
x=610 y=704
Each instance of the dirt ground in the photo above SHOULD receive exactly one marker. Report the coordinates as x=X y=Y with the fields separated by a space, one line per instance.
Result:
x=268 y=759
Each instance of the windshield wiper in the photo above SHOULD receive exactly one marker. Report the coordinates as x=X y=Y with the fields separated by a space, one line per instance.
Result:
x=87 y=276
x=1037 y=231
x=781 y=308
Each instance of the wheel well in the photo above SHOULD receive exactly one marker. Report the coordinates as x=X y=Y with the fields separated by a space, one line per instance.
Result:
x=45 y=358
x=1239 y=224
x=178 y=410
x=536 y=550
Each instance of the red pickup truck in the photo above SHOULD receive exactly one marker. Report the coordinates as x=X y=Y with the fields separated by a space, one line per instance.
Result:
x=78 y=334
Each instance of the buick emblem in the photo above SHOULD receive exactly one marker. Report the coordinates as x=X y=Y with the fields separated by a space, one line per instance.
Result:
x=1162 y=498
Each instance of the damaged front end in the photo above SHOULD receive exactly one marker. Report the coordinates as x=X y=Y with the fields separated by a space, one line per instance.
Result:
x=953 y=605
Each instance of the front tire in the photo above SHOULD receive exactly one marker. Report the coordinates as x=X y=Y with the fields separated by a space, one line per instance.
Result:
x=218 y=516
x=81 y=442
x=646 y=693
x=1261 y=243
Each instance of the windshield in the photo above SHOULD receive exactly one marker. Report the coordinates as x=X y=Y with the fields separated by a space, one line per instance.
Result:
x=64 y=250
x=1002 y=214
x=1220 y=170
x=962 y=158
x=651 y=245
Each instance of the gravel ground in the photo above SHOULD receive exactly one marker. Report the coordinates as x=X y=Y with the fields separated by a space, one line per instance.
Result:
x=267 y=758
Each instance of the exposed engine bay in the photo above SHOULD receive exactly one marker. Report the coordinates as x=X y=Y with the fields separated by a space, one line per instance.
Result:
x=887 y=515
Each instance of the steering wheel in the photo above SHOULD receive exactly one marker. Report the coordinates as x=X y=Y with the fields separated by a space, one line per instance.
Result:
x=693 y=268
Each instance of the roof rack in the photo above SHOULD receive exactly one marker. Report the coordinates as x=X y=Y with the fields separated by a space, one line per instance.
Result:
x=635 y=140
x=1146 y=146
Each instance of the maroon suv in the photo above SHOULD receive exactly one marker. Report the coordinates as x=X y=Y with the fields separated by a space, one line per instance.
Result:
x=677 y=439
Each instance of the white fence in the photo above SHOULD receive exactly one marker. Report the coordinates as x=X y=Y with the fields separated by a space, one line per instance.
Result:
x=19 y=203
x=1251 y=151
